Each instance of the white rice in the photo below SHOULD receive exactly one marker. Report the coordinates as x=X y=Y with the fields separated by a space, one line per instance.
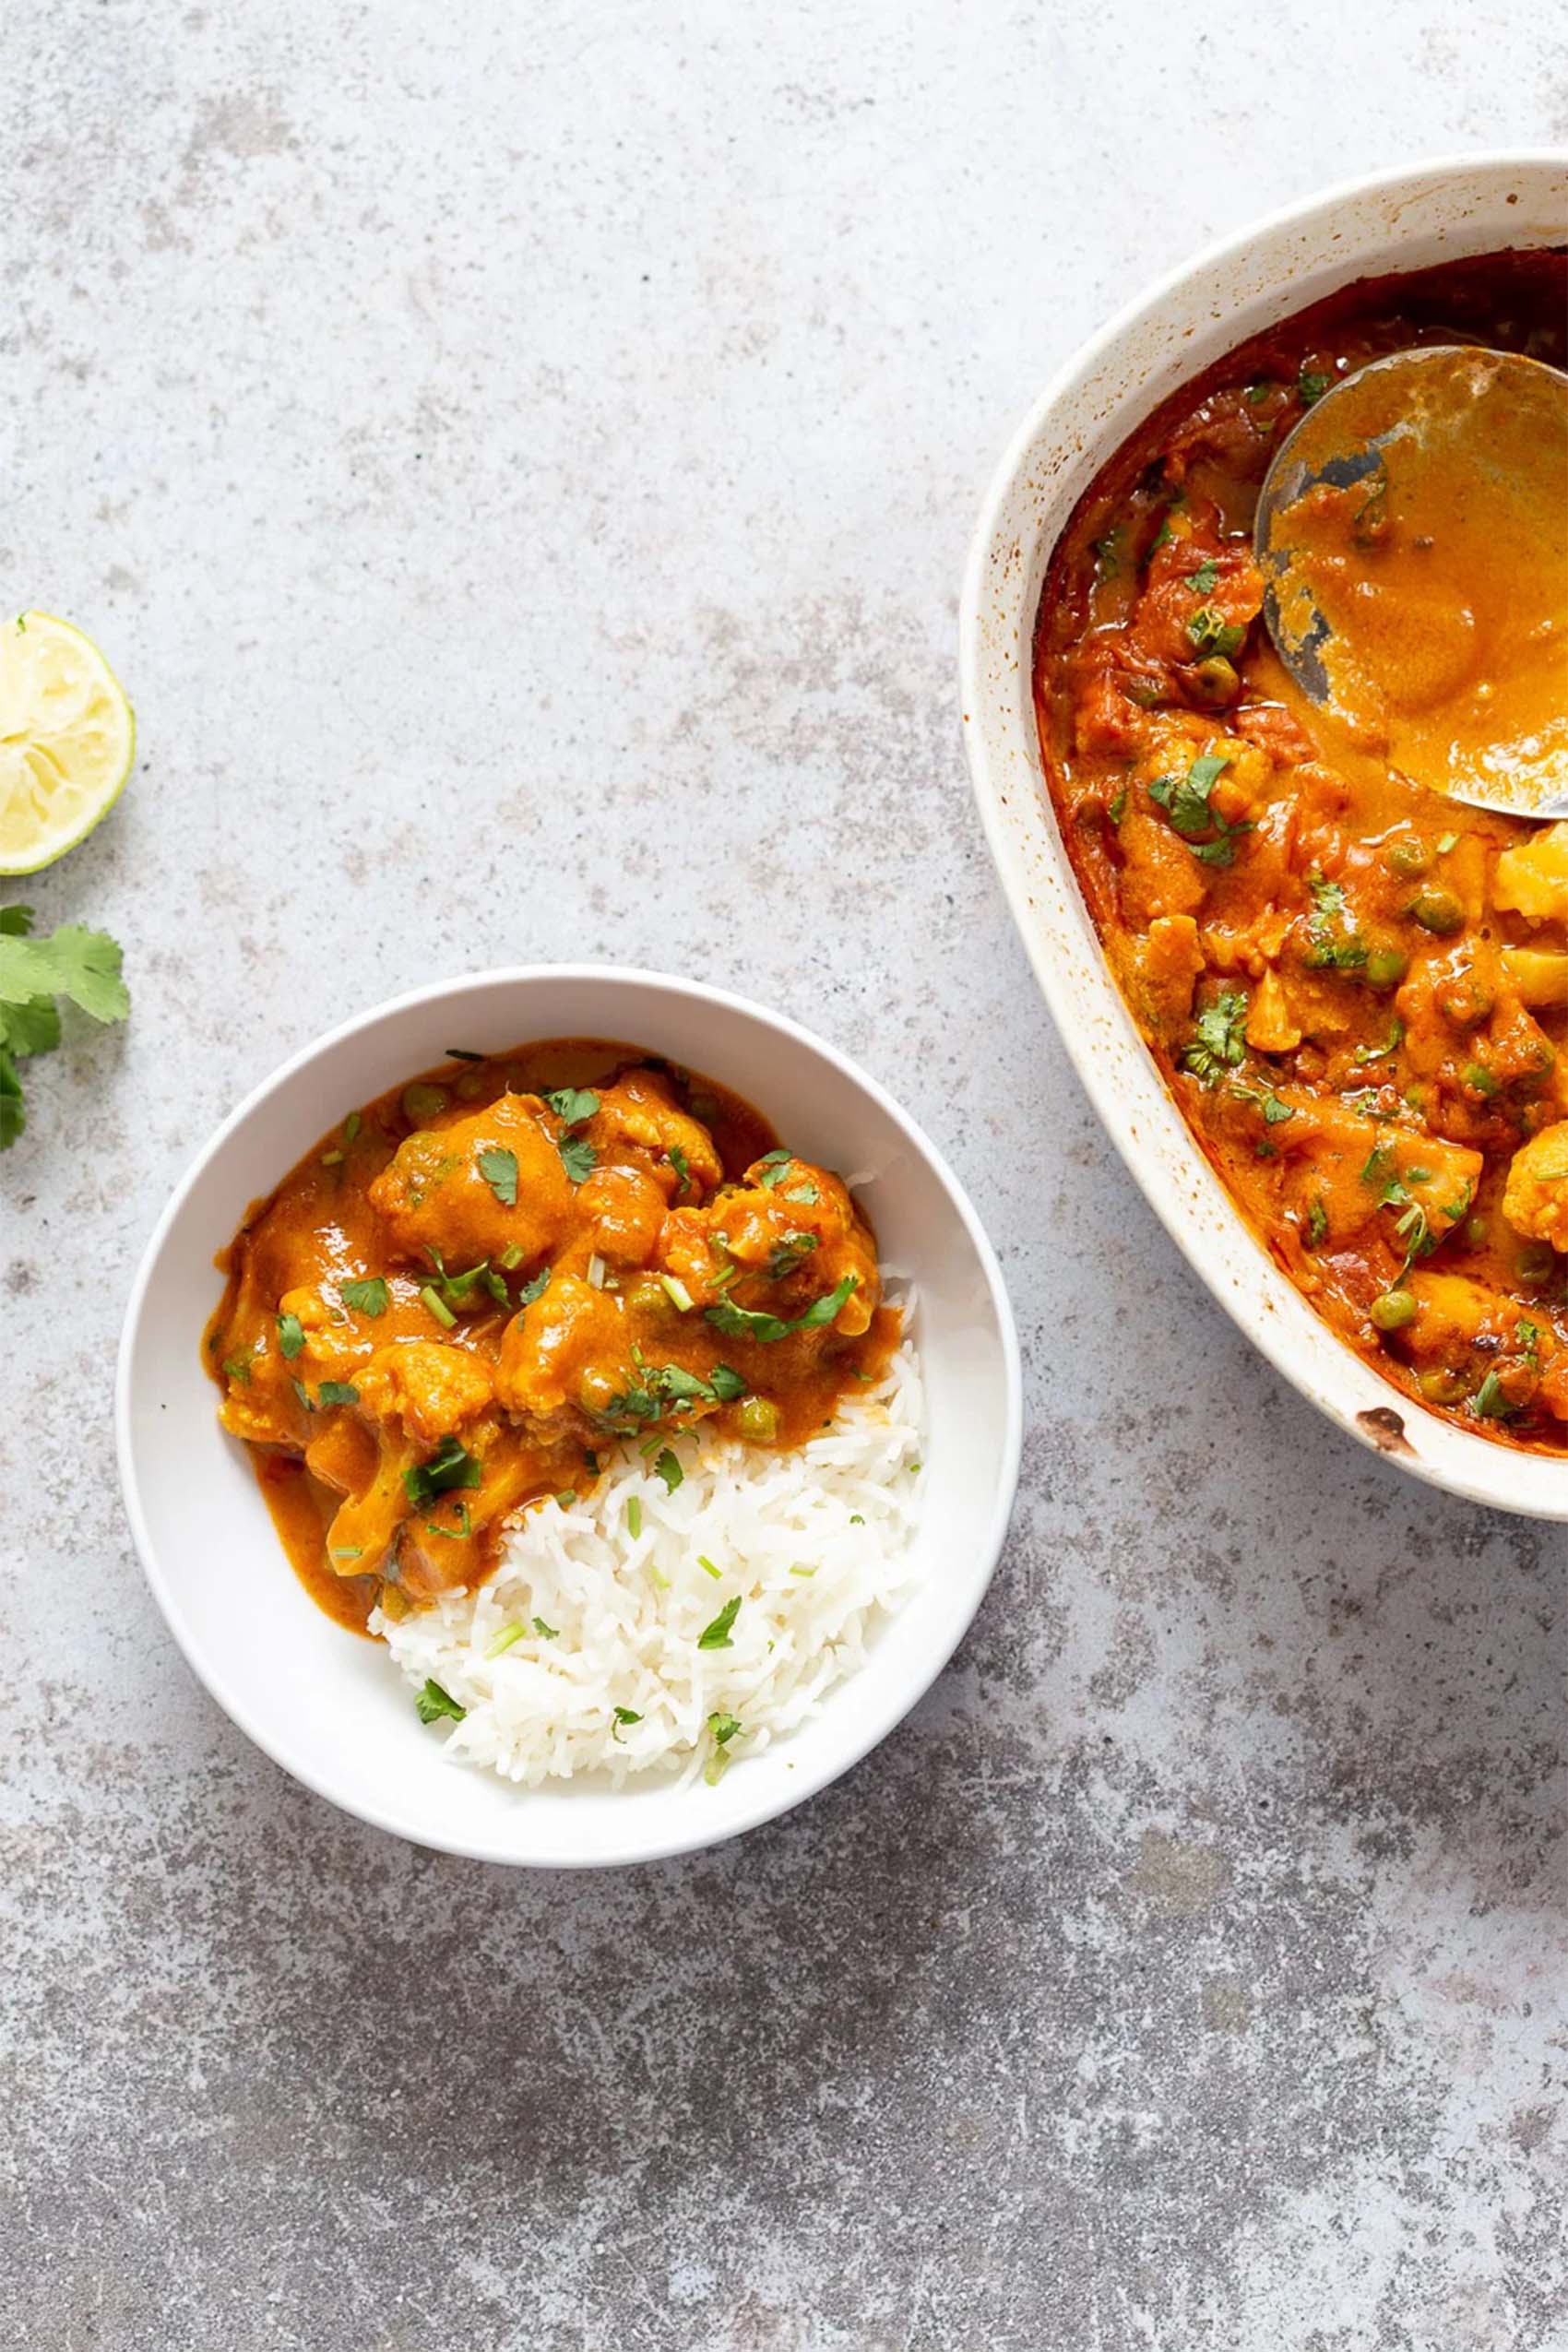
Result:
x=814 y=1542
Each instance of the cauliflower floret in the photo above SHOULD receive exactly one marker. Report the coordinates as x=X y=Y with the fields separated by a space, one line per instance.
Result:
x=1535 y=1199
x=640 y=1111
x=1532 y=877
x=436 y=1191
x=792 y=1231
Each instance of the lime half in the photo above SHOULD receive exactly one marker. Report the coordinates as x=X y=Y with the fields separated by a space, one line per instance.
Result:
x=67 y=740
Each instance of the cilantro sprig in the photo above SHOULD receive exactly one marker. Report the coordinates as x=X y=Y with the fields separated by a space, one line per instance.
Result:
x=72 y=962
x=1186 y=801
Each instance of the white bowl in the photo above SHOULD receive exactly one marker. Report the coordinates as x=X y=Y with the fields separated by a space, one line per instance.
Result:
x=330 y=1706
x=1397 y=221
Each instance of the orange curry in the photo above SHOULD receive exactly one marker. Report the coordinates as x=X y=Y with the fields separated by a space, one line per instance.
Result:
x=479 y=1283
x=1355 y=988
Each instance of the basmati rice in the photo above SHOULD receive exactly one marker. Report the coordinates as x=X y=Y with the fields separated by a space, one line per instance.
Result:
x=584 y=1653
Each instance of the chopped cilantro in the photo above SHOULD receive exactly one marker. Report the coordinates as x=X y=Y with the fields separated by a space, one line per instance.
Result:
x=1492 y=1402
x=745 y=1322
x=366 y=1298
x=338 y=1392
x=1218 y=1044
x=1317 y=1223
x=303 y=1392
x=535 y=1288
x=1118 y=808
x=433 y=1702
x=771 y=1168
x=290 y=1336
x=1333 y=942
x=682 y=1168
x=786 y=1254
x=1258 y=392
x=1202 y=581
x=546 y=1633
x=623 y=1715
x=1310 y=384
x=716 y=1636
x=450 y=1466
x=667 y=1467
x=578 y=1158
x=1396 y=1039
x=572 y=1105
x=499 y=1169
x=804 y=1195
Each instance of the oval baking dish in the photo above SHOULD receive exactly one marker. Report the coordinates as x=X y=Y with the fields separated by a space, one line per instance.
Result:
x=1399 y=222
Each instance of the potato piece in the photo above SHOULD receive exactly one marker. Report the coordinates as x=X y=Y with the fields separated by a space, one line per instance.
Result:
x=1538 y=975
x=1170 y=961
x=1535 y=1199
x=1532 y=876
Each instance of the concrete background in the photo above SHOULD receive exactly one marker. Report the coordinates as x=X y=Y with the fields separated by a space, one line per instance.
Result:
x=520 y=458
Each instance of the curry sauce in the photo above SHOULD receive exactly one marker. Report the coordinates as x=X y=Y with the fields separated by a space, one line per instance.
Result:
x=478 y=1286
x=1356 y=987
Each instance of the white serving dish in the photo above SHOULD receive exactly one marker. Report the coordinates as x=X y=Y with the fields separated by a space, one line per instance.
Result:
x=1397 y=221
x=330 y=1707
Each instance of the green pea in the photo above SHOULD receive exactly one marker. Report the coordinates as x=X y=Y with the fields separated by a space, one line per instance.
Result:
x=1537 y=1262
x=421 y=1102
x=1393 y=1310
x=1476 y=1231
x=1437 y=910
x=1387 y=967
x=1440 y=1386
x=1407 y=855
x=758 y=1418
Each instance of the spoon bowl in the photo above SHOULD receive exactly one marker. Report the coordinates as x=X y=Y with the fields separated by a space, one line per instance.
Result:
x=1411 y=532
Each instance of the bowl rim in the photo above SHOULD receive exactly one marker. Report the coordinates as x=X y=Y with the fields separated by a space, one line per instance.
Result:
x=1484 y=1483
x=812 y=1775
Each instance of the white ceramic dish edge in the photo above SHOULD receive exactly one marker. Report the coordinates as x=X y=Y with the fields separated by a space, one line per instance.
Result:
x=1403 y=218
x=358 y=1674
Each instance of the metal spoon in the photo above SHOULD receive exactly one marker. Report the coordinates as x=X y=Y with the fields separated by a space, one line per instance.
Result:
x=1413 y=534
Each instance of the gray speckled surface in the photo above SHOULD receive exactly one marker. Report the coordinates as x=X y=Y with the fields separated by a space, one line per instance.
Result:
x=520 y=459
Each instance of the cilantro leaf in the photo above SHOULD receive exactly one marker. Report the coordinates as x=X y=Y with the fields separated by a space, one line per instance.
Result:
x=682 y=1168
x=499 y=1169
x=366 y=1298
x=716 y=1636
x=745 y=1322
x=1218 y=1044
x=433 y=1702
x=15 y=921
x=1492 y=1402
x=667 y=1467
x=450 y=1466
x=791 y=1252
x=85 y=965
x=578 y=1158
x=1202 y=581
x=1310 y=384
x=727 y=1385
x=32 y=1028
x=572 y=1105
x=723 y=1727
x=290 y=1336
x=338 y=1392
x=534 y=1290
x=13 y=1103
x=25 y=970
